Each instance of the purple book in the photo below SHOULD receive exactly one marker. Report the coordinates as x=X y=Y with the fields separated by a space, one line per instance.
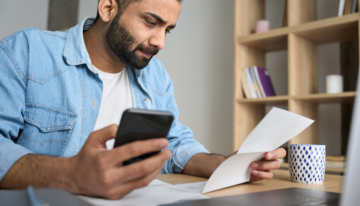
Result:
x=266 y=86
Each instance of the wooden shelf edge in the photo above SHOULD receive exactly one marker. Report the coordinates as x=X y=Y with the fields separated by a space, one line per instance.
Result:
x=266 y=100
x=327 y=98
x=309 y=26
x=275 y=33
x=319 y=98
x=333 y=21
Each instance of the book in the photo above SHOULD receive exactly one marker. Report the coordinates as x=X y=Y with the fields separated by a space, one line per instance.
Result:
x=354 y=6
x=347 y=7
x=250 y=82
x=285 y=20
x=245 y=85
x=256 y=83
x=341 y=7
x=264 y=80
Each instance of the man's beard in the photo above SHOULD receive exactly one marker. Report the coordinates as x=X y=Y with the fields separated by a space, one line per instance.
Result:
x=120 y=42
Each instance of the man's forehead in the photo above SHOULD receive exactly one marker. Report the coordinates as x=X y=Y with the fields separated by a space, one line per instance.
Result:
x=168 y=10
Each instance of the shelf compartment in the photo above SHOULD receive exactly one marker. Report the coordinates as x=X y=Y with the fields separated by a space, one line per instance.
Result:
x=345 y=97
x=337 y=29
x=276 y=100
x=273 y=40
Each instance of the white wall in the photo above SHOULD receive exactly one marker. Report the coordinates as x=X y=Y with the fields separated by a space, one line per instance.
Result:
x=87 y=8
x=199 y=58
x=20 y=14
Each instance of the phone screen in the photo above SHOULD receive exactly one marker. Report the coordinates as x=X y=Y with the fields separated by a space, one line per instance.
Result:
x=137 y=125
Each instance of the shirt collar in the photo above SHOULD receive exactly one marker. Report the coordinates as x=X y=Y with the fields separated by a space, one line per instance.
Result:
x=75 y=52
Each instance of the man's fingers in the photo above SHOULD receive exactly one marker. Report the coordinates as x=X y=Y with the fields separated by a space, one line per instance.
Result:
x=276 y=154
x=262 y=174
x=140 y=169
x=144 y=181
x=123 y=189
x=99 y=137
x=125 y=152
x=266 y=165
x=254 y=178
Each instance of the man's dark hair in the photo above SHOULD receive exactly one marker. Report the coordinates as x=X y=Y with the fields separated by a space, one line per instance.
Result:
x=122 y=5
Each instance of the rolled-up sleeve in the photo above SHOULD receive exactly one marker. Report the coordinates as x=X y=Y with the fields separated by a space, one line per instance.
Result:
x=12 y=107
x=181 y=142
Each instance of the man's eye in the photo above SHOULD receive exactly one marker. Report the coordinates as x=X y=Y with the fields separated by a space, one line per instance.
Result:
x=150 y=22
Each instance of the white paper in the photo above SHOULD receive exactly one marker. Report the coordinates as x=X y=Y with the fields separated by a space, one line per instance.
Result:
x=157 y=192
x=276 y=128
x=195 y=187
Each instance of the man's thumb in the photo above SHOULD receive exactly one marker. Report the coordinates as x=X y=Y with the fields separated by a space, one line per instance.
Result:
x=102 y=135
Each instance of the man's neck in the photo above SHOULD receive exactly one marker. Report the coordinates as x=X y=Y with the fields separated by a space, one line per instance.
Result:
x=100 y=53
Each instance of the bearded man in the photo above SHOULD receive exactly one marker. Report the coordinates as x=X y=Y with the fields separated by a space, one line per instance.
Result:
x=64 y=92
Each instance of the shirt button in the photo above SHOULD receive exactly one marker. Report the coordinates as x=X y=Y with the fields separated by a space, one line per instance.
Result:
x=144 y=100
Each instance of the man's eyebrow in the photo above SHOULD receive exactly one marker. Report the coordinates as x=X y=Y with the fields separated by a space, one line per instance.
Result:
x=158 y=18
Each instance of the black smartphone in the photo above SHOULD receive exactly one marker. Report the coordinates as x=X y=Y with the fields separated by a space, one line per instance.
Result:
x=138 y=124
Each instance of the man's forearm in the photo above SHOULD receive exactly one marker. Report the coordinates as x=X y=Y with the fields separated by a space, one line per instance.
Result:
x=38 y=171
x=203 y=165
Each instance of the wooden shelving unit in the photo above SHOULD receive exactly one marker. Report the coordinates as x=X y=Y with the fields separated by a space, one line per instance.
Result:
x=316 y=98
x=277 y=100
x=327 y=98
x=301 y=38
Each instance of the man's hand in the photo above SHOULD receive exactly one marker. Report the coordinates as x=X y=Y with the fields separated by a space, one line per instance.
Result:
x=94 y=171
x=205 y=164
x=262 y=169
x=99 y=172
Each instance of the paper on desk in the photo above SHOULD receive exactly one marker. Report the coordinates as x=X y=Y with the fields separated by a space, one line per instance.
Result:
x=195 y=187
x=276 y=128
x=157 y=192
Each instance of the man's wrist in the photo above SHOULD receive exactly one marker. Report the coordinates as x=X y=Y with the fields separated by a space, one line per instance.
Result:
x=203 y=165
x=70 y=178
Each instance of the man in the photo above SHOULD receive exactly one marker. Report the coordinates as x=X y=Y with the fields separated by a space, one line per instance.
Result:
x=63 y=94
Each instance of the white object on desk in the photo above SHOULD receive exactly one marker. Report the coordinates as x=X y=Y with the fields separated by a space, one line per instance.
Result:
x=276 y=128
x=334 y=84
x=157 y=192
x=307 y=163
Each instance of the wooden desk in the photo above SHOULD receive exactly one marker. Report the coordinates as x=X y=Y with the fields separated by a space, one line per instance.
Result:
x=281 y=180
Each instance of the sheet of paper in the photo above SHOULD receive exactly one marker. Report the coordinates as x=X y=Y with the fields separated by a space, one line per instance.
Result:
x=157 y=192
x=276 y=128
x=195 y=187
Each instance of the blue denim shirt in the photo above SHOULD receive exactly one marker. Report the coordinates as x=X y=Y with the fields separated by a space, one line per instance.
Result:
x=50 y=97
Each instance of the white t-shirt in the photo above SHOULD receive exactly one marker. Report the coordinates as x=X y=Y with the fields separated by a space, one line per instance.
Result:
x=115 y=100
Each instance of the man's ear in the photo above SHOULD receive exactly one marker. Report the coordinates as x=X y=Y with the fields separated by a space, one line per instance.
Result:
x=107 y=10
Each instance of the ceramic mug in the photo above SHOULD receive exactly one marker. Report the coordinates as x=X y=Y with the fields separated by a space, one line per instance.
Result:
x=307 y=163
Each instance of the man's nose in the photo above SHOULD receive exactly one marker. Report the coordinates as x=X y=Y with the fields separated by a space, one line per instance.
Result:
x=158 y=40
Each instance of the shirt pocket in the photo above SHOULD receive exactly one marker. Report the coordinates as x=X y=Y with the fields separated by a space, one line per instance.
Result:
x=157 y=93
x=47 y=130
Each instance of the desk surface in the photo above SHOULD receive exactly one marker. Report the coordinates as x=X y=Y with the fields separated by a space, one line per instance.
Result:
x=281 y=180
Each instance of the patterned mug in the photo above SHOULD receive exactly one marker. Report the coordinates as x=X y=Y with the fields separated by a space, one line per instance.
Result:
x=307 y=163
